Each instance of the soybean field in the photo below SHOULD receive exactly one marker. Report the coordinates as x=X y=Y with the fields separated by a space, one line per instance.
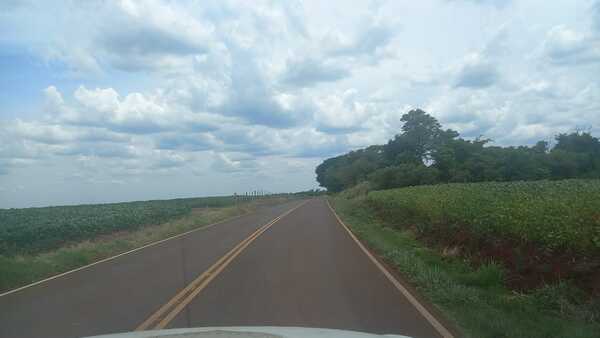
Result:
x=35 y=230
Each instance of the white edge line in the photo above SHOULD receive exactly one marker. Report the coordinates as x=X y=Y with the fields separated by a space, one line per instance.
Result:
x=119 y=255
x=422 y=310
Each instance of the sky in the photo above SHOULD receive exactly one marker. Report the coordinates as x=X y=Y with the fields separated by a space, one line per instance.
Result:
x=104 y=101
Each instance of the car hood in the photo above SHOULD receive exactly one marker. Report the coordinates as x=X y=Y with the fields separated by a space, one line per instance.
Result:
x=247 y=332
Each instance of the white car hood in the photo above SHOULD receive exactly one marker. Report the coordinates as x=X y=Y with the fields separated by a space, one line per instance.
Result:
x=247 y=332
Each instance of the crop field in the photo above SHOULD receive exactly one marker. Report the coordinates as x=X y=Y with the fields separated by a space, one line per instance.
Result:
x=35 y=230
x=479 y=298
x=551 y=214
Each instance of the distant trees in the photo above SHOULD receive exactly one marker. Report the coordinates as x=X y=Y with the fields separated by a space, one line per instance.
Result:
x=339 y=173
x=424 y=153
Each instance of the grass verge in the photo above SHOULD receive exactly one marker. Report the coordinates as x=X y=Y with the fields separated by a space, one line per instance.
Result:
x=475 y=299
x=19 y=270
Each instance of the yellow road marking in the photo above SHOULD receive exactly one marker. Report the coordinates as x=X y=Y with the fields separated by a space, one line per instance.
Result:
x=146 y=324
x=163 y=323
x=163 y=316
x=420 y=308
x=119 y=255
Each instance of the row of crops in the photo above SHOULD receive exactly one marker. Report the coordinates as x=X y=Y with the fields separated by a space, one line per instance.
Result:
x=34 y=230
x=554 y=214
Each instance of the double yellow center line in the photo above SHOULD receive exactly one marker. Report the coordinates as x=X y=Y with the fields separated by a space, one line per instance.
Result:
x=161 y=318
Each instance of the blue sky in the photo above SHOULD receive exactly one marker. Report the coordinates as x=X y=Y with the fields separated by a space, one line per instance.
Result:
x=106 y=101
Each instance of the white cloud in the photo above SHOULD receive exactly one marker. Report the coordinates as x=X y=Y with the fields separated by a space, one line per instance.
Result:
x=156 y=92
x=496 y=3
x=222 y=163
x=54 y=99
x=596 y=16
x=153 y=36
x=341 y=112
x=368 y=41
x=566 y=46
x=134 y=113
x=476 y=72
x=308 y=72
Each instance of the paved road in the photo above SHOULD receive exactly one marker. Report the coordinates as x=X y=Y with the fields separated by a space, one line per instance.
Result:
x=303 y=270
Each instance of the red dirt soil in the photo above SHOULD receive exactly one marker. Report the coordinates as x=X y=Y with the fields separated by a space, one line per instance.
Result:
x=528 y=266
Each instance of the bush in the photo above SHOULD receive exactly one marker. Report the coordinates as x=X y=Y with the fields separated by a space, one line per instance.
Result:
x=403 y=175
x=361 y=189
x=555 y=214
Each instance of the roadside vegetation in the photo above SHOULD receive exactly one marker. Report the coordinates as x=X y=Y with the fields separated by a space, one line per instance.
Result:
x=504 y=240
x=425 y=153
x=540 y=231
x=35 y=230
x=475 y=294
x=552 y=215
x=31 y=251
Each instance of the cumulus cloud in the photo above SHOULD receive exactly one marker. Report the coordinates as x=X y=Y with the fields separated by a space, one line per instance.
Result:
x=153 y=35
x=53 y=99
x=257 y=141
x=42 y=133
x=223 y=163
x=519 y=116
x=135 y=113
x=252 y=97
x=366 y=42
x=308 y=72
x=31 y=141
x=13 y=146
x=319 y=145
x=150 y=41
x=496 y=3
x=97 y=149
x=596 y=16
x=341 y=112
x=170 y=160
x=152 y=91
x=569 y=47
x=187 y=142
x=476 y=72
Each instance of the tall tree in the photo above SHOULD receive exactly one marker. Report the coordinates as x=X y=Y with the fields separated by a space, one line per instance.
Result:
x=424 y=153
x=420 y=134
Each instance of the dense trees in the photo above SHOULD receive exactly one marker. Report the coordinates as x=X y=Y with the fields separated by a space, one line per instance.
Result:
x=424 y=153
x=339 y=173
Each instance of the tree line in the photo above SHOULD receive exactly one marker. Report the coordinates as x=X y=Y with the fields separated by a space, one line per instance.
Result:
x=425 y=153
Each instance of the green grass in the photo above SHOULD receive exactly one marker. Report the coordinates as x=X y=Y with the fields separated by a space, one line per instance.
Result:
x=36 y=230
x=18 y=270
x=552 y=214
x=475 y=299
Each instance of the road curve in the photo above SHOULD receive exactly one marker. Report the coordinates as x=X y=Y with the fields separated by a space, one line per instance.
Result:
x=301 y=270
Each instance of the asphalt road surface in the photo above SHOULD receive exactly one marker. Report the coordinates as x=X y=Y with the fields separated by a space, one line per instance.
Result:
x=302 y=270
